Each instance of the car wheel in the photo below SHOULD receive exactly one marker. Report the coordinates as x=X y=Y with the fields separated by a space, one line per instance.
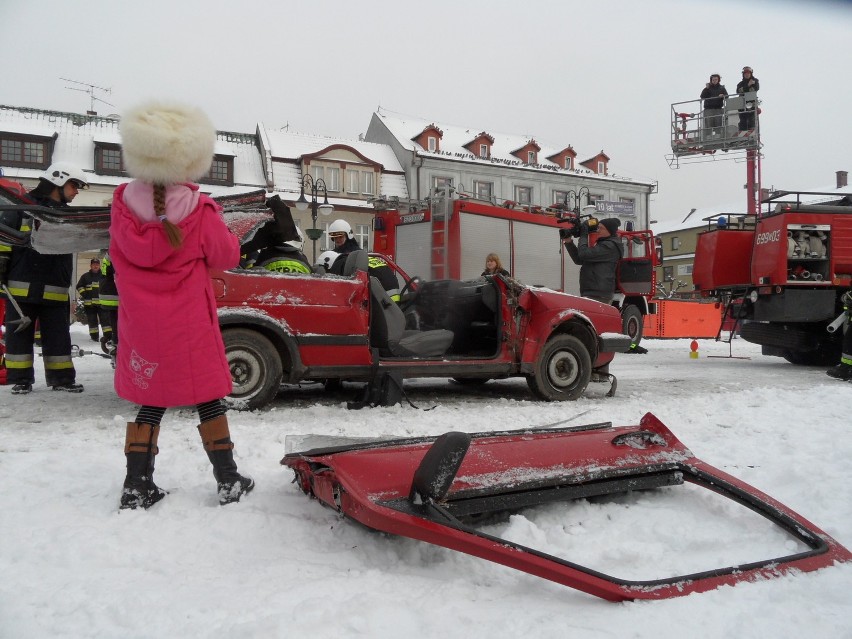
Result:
x=255 y=366
x=632 y=323
x=562 y=371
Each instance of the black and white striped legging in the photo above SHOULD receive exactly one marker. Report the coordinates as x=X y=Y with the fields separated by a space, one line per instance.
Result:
x=208 y=410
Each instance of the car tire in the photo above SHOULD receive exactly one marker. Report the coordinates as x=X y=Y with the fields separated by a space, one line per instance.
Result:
x=562 y=371
x=632 y=323
x=256 y=369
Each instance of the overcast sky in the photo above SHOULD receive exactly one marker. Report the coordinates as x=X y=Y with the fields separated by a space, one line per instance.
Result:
x=596 y=75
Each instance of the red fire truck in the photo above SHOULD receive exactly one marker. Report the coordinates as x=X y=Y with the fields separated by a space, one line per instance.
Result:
x=415 y=236
x=784 y=272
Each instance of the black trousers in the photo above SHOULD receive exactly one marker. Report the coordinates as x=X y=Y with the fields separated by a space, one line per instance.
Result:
x=55 y=344
x=95 y=318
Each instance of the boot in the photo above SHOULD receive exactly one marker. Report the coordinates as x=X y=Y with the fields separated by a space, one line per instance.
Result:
x=140 y=447
x=220 y=451
x=841 y=371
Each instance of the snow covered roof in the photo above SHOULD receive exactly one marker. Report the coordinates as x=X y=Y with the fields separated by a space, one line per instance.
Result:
x=455 y=140
x=77 y=134
x=287 y=149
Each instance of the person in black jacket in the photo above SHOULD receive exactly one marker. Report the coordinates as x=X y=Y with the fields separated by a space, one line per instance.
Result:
x=749 y=84
x=88 y=290
x=39 y=283
x=713 y=94
x=599 y=262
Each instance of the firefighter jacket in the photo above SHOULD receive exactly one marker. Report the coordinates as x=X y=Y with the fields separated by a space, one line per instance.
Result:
x=88 y=288
x=31 y=276
x=108 y=294
x=598 y=264
x=283 y=259
x=377 y=268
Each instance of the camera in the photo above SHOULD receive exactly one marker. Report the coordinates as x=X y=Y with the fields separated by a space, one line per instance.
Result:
x=574 y=222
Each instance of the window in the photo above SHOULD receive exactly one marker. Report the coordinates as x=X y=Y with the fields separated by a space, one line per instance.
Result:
x=367 y=182
x=684 y=269
x=442 y=184
x=353 y=180
x=362 y=235
x=560 y=197
x=530 y=157
x=568 y=162
x=221 y=171
x=25 y=150
x=668 y=273
x=483 y=190
x=483 y=150
x=601 y=167
x=432 y=142
x=523 y=194
x=594 y=197
x=675 y=243
x=108 y=160
x=325 y=242
x=330 y=175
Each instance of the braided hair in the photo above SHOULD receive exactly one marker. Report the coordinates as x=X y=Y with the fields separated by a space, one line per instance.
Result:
x=172 y=231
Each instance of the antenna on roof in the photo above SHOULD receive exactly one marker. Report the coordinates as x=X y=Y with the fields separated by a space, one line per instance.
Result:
x=91 y=91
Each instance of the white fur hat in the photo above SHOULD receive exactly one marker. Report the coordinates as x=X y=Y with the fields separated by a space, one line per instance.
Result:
x=167 y=142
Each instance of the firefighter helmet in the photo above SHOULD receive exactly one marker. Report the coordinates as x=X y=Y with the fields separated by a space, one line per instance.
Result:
x=59 y=173
x=341 y=226
x=327 y=258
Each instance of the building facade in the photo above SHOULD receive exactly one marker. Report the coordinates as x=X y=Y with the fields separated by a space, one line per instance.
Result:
x=507 y=169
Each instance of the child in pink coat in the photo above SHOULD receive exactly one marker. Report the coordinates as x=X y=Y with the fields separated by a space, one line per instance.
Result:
x=165 y=235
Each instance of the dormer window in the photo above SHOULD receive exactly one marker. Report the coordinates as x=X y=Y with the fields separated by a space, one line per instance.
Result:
x=108 y=160
x=601 y=167
x=432 y=143
x=221 y=171
x=568 y=163
x=26 y=151
x=483 y=151
x=531 y=157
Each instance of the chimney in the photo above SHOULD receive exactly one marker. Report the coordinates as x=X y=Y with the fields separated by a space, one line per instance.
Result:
x=842 y=179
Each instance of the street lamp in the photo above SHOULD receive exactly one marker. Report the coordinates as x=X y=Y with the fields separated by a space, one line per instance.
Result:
x=314 y=186
x=577 y=197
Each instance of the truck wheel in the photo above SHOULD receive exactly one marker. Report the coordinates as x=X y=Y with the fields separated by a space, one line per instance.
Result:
x=255 y=366
x=632 y=323
x=562 y=371
x=819 y=357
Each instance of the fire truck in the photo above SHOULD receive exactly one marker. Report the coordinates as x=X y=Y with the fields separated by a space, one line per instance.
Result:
x=450 y=237
x=782 y=272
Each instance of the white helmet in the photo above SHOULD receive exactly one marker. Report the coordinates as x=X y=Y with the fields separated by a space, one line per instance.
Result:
x=297 y=244
x=59 y=173
x=327 y=258
x=341 y=226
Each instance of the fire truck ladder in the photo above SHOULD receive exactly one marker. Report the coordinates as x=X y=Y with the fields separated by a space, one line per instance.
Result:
x=700 y=137
x=440 y=209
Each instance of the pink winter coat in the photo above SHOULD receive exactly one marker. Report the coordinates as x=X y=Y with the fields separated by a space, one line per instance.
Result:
x=170 y=350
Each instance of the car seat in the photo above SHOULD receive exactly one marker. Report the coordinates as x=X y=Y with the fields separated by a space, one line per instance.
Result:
x=388 y=333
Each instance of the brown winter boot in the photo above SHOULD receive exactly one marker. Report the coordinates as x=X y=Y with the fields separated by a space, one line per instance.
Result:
x=140 y=447
x=220 y=450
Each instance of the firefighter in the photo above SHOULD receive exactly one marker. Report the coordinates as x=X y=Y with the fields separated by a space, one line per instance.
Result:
x=39 y=283
x=88 y=290
x=344 y=240
x=844 y=369
x=108 y=299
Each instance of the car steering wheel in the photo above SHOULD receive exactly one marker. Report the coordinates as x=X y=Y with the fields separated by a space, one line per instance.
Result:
x=410 y=292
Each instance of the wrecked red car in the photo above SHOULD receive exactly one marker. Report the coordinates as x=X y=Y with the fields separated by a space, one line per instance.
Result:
x=286 y=328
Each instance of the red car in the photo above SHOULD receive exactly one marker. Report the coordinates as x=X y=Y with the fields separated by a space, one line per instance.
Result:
x=286 y=328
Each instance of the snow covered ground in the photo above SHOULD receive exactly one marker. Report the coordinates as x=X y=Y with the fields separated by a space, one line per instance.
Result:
x=280 y=565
